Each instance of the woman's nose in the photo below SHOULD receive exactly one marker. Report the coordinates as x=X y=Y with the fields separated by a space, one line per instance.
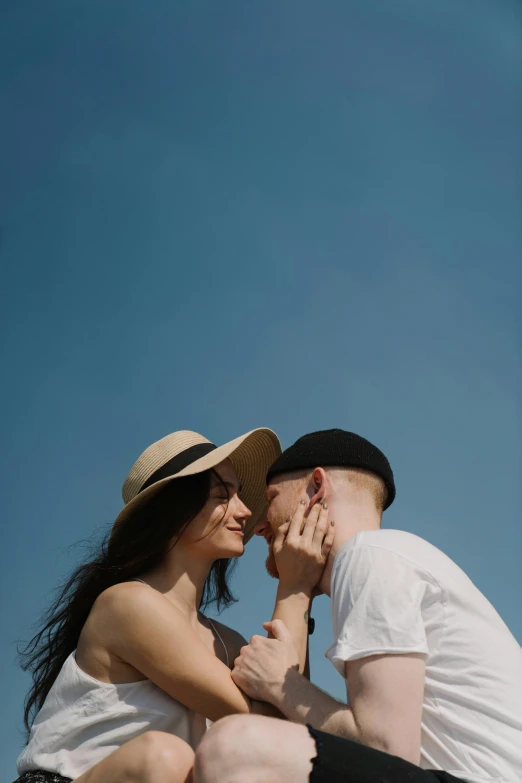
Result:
x=243 y=510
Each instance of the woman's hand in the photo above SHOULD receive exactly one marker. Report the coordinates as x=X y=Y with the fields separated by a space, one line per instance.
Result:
x=301 y=547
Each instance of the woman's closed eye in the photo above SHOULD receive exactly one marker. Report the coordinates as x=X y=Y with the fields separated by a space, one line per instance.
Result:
x=221 y=496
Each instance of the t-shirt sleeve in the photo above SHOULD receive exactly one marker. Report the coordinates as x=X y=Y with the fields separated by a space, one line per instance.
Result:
x=376 y=603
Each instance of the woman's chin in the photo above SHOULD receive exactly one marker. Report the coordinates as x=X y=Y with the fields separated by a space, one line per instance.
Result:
x=234 y=549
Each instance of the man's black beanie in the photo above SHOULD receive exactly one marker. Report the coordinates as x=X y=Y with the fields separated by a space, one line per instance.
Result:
x=335 y=448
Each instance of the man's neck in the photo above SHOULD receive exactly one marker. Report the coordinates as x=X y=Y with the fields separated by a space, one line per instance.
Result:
x=350 y=519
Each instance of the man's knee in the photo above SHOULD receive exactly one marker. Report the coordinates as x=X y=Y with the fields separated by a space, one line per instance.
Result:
x=251 y=748
x=163 y=752
x=219 y=749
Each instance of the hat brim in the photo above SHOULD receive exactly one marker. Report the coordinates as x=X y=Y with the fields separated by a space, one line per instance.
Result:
x=251 y=454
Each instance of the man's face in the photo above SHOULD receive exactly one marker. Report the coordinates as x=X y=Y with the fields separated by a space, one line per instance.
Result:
x=283 y=494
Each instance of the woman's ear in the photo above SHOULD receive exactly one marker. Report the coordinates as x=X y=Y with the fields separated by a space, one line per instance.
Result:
x=319 y=486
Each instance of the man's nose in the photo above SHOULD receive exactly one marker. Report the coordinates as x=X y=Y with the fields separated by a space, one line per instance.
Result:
x=260 y=528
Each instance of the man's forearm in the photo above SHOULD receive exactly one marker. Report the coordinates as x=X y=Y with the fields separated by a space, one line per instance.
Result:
x=293 y=607
x=302 y=702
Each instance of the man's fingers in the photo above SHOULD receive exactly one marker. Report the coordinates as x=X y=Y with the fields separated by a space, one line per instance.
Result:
x=279 y=630
x=268 y=628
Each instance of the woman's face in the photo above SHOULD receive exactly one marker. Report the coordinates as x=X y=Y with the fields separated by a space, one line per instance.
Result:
x=218 y=530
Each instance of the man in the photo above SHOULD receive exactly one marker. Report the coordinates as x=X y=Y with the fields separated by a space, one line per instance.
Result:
x=434 y=676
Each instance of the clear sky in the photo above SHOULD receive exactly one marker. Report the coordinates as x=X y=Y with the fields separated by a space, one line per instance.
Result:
x=223 y=215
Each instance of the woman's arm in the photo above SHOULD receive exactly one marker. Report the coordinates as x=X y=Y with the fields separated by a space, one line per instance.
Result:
x=292 y=606
x=301 y=548
x=144 y=630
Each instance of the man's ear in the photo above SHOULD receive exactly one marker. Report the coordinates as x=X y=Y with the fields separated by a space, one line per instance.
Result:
x=318 y=486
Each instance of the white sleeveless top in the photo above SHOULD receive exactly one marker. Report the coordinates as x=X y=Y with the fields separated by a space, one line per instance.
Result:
x=83 y=720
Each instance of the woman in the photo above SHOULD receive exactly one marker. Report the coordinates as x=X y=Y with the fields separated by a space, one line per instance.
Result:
x=127 y=670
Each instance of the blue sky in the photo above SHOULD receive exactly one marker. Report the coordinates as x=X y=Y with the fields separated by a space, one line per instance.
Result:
x=217 y=216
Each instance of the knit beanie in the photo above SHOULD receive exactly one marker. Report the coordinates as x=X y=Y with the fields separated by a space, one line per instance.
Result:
x=335 y=448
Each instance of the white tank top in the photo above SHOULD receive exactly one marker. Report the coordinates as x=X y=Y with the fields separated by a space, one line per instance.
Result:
x=83 y=720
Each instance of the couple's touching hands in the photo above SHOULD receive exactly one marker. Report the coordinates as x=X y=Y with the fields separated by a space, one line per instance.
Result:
x=262 y=667
x=301 y=547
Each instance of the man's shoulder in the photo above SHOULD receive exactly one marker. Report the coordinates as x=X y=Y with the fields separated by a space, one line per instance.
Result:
x=399 y=540
x=398 y=543
x=381 y=558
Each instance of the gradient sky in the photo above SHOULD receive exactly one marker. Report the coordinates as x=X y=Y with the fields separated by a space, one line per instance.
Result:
x=223 y=215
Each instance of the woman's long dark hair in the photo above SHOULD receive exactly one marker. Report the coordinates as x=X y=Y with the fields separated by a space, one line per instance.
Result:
x=136 y=546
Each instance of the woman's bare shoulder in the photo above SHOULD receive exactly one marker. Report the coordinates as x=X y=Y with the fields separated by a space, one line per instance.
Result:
x=129 y=599
x=123 y=590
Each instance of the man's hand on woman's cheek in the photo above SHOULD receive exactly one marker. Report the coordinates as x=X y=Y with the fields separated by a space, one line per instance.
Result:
x=261 y=667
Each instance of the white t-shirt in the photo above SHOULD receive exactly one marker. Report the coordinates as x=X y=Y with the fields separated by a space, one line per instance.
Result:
x=392 y=592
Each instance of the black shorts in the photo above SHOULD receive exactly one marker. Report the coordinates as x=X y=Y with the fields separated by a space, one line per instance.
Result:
x=42 y=776
x=339 y=760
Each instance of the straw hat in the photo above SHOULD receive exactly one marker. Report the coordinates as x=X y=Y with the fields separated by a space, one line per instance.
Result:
x=186 y=453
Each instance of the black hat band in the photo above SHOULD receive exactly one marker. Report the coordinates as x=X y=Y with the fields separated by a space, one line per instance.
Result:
x=179 y=462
